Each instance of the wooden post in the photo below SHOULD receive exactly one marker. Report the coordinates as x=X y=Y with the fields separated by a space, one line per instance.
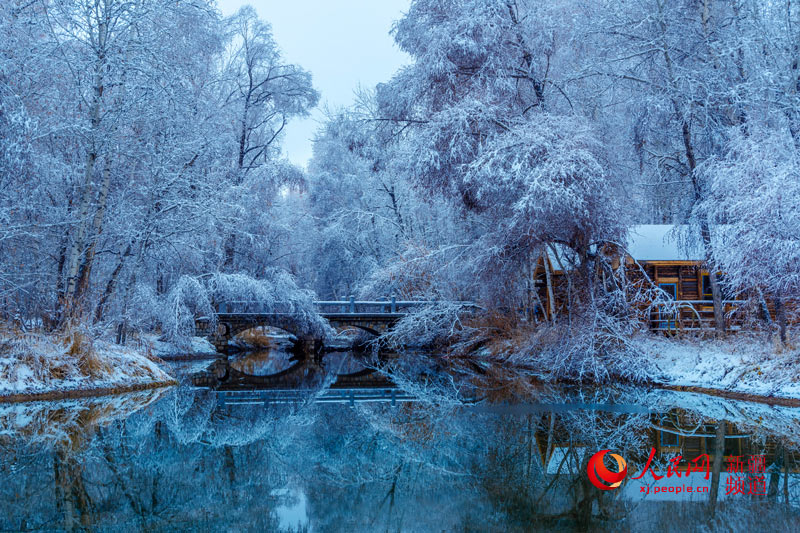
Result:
x=394 y=304
x=352 y=304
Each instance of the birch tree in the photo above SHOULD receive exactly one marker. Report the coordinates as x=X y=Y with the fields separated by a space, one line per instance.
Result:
x=263 y=93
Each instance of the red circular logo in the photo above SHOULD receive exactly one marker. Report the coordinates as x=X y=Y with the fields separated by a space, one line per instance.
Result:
x=597 y=471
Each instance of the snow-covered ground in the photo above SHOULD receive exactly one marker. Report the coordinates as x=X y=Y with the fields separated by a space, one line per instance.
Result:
x=738 y=364
x=38 y=363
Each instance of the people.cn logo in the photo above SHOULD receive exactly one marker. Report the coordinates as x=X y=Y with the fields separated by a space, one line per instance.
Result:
x=597 y=471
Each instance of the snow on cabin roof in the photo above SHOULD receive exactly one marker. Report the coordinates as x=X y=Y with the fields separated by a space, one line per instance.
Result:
x=651 y=242
x=563 y=254
x=659 y=242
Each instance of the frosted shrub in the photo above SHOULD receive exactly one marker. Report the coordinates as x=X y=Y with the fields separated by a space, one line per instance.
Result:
x=430 y=325
x=596 y=348
x=188 y=299
x=278 y=292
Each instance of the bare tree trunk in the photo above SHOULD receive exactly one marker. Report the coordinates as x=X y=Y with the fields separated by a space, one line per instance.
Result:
x=785 y=477
x=780 y=316
x=229 y=251
x=97 y=229
x=110 y=285
x=716 y=292
x=567 y=276
x=229 y=248
x=550 y=441
x=79 y=236
x=691 y=161
x=775 y=474
x=62 y=259
x=550 y=297
x=764 y=309
x=395 y=209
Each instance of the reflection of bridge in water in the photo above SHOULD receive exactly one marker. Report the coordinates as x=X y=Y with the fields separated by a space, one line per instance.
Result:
x=352 y=396
x=306 y=380
x=306 y=374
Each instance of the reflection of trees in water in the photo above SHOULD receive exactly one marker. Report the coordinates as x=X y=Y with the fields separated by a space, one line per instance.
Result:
x=147 y=472
x=184 y=461
x=72 y=500
x=262 y=363
x=462 y=470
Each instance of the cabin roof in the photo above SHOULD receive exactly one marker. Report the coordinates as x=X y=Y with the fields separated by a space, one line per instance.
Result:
x=660 y=242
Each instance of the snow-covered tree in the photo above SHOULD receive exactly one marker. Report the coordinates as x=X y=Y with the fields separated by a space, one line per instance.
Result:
x=262 y=93
x=754 y=190
x=484 y=127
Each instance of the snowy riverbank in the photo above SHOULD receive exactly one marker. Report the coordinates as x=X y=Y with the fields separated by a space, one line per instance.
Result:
x=738 y=364
x=36 y=366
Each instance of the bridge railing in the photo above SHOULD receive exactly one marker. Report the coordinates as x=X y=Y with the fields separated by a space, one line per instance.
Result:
x=238 y=307
x=351 y=306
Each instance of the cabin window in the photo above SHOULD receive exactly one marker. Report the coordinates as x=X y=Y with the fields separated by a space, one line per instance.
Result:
x=670 y=439
x=670 y=288
x=707 y=288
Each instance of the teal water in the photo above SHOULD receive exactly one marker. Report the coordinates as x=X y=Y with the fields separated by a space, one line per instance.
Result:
x=189 y=459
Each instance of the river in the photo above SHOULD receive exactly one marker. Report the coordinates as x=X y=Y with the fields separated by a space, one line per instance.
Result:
x=380 y=459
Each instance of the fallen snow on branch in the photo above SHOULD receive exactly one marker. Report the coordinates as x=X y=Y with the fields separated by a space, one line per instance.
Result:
x=38 y=363
x=737 y=364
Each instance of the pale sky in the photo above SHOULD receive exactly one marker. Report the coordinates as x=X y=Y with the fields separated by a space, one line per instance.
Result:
x=343 y=43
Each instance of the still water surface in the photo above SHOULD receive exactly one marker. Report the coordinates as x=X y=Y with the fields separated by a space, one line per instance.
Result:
x=190 y=459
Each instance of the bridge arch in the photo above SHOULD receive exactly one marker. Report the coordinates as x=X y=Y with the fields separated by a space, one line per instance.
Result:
x=227 y=327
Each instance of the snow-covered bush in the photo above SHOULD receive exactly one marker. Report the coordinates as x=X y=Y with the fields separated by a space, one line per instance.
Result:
x=432 y=324
x=193 y=297
x=597 y=348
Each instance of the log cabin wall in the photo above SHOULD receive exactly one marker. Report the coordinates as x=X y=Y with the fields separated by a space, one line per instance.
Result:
x=686 y=276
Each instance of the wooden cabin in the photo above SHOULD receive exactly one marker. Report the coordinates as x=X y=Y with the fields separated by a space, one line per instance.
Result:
x=678 y=270
x=672 y=268
x=652 y=250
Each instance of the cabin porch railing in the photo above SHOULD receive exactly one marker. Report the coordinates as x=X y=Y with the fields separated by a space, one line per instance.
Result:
x=693 y=315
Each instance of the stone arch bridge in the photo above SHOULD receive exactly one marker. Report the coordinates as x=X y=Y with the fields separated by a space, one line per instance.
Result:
x=375 y=317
